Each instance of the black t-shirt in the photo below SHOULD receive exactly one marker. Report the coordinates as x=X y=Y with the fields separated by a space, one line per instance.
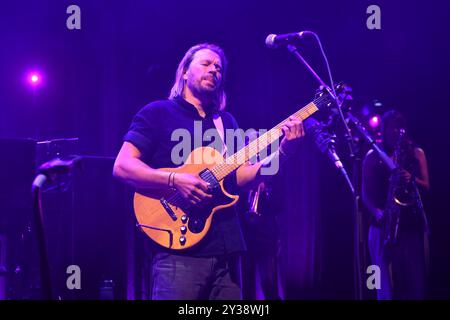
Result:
x=156 y=131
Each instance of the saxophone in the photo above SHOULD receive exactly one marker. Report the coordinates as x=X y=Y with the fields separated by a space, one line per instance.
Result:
x=253 y=200
x=400 y=195
x=391 y=217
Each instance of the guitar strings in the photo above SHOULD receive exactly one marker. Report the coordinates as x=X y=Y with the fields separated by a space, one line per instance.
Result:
x=221 y=170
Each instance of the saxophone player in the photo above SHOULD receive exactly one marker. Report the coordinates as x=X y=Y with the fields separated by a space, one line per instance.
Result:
x=401 y=260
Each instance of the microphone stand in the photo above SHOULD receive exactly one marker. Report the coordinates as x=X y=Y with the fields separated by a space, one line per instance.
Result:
x=38 y=222
x=371 y=142
x=47 y=172
x=358 y=240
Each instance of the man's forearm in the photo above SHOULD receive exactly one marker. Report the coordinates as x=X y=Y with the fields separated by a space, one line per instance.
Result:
x=139 y=175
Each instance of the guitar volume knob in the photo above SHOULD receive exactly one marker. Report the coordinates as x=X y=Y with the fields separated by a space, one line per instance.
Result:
x=183 y=229
x=184 y=218
x=182 y=240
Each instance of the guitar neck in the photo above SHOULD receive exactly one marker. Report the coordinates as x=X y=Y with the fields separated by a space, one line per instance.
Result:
x=234 y=161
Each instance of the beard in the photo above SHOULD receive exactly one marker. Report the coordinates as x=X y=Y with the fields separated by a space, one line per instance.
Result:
x=209 y=92
x=204 y=89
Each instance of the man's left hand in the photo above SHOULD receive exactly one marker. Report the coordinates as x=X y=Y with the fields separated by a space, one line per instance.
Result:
x=293 y=130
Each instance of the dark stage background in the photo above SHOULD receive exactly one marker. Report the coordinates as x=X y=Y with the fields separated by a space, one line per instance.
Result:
x=126 y=53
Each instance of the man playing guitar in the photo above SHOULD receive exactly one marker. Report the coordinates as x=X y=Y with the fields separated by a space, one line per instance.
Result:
x=207 y=269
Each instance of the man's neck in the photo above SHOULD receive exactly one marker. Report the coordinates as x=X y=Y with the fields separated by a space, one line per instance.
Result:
x=199 y=103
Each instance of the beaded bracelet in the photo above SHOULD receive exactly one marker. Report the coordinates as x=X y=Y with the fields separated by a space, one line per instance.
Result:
x=173 y=180
x=169 y=182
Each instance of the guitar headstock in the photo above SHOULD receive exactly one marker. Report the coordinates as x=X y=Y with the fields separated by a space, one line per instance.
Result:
x=344 y=91
x=324 y=100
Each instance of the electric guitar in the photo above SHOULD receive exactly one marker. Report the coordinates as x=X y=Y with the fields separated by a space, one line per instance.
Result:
x=174 y=223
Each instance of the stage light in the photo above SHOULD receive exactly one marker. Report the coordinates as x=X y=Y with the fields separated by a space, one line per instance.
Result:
x=377 y=104
x=34 y=79
x=374 y=121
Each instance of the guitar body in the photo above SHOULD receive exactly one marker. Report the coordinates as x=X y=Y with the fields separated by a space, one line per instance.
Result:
x=171 y=221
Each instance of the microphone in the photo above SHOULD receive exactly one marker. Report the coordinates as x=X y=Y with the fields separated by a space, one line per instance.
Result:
x=274 y=40
x=59 y=166
x=56 y=166
x=324 y=141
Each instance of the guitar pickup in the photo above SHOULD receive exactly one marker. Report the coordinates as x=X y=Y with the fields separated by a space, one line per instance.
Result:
x=209 y=177
x=168 y=209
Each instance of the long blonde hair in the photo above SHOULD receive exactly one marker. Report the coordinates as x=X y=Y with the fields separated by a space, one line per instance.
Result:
x=178 y=86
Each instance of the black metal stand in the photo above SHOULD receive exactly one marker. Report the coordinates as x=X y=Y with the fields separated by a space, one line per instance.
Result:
x=357 y=217
x=40 y=234
x=47 y=171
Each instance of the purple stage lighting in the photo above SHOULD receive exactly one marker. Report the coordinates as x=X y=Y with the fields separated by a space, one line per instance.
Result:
x=365 y=111
x=34 y=78
x=374 y=121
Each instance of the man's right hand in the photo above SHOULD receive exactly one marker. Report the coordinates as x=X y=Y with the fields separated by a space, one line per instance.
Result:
x=191 y=187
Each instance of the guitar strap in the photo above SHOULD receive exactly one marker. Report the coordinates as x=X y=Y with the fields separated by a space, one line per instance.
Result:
x=219 y=126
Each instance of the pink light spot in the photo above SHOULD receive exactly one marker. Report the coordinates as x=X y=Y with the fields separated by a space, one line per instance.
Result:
x=374 y=121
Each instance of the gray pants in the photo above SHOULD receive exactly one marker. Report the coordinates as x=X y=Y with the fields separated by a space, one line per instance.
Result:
x=177 y=277
x=402 y=269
